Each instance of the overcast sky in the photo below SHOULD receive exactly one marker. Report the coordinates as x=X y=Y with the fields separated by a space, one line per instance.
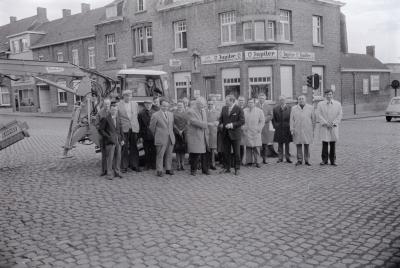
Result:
x=369 y=22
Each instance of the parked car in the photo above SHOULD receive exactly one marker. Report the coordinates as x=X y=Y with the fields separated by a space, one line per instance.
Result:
x=393 y=109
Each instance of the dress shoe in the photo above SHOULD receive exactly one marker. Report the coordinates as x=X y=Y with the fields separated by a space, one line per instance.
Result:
x=160 y=173
x=237 y=172
x=289 y=161
x=265 y=161
x=334 y=164
x=182 y=168
x=307 y=164
x=323 y=163
x=109 y=177
x=258 y=165
x=225 y=171
x=117 y=175
x=169 y=172
x=103 y=174
x=279 y=161
x=207 y=173
x=298 y=163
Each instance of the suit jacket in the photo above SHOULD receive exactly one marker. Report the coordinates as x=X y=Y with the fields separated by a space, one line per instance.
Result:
x=144 y=118
x=127 y=123
x=236 y=117
x=112 y=134
x=281 y=122
x=162 y=128
x=197 y=131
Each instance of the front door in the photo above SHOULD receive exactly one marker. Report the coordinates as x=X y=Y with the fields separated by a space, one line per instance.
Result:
x=44 y=99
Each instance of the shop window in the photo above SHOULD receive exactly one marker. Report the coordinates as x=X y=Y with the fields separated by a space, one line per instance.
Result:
x=228 y=27
x=92 y=57
x=111 y=46
x=287 y=81
x=317 y=30
x=285 y=26
x=180 y=35
x=182 y=85
x=26 y=97
x=5 y=99
x=231 y=82
x=320 y=71
x=260 y=81
x=61 y=94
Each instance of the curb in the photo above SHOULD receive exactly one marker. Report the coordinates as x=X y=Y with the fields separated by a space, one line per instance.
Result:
x=362 y=116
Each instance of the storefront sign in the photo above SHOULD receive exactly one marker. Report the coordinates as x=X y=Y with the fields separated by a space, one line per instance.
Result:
x=296 y=55
x=222 y=58
x=175 y=63
x=261 y=55
x=54 y=69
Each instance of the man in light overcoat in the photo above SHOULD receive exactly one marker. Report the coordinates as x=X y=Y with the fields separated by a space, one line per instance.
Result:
x=162 y=127
x=302 y=124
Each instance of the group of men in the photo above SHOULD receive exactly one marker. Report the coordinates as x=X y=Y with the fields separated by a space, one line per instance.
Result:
x=243 y=134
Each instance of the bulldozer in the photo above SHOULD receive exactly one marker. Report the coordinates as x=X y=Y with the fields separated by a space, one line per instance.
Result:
x=93 y=88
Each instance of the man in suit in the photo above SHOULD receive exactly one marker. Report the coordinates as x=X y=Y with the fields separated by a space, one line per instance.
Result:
x=197 y=137
x=128 y=111
x=144 y=118
x=112 y=134
x=104 y=111
x=230 y=123
x=281 y=122
x=162 y=127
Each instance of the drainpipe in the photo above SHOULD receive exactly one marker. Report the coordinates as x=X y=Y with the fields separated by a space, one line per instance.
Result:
x=354 y=92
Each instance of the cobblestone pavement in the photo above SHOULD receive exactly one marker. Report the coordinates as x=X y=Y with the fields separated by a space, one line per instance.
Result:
x=59 y=213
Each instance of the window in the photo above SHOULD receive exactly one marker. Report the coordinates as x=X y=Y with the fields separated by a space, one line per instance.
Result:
x=41 y=58
x=75 y=57
x=75 y=85
x=247 y=31
x=4 y=97
x=260 y=81
x=111 y=53
x=320 y=71
x=60 y=56
x=374 y=82
x=228 y=27
x=271 y=31
x=24 y=44
x=180 y=35
x=114 y=10
x=15 y=46
x=287 y=81
x=259 y=31
x=182 y=85
x=61 y=94
x=143 y=40
x=285 y=26
x=317 y=30
x=231 y=82
x=91 y=56
x=140 y=5
x=26 y=97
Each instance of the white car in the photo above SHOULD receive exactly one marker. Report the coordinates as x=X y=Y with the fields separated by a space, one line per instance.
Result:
x=393 y=109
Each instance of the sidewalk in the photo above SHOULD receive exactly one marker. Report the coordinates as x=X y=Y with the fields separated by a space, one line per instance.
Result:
x=367 y=114
x=4 y=112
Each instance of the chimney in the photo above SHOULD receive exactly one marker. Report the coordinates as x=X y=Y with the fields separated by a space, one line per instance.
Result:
x=41 y=14
x=85 y=7
x=343 y=34
x=13 y=19
x=371 y=51
x=66 y=13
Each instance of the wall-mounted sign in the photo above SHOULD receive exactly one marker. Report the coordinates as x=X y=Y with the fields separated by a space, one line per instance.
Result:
x=54 y=69
x=261 y=55
x=296 y=55
x=374 y=82
x=175 y=63
x=222 y=58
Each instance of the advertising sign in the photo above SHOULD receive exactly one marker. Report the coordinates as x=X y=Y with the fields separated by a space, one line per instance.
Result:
x=296 y=55
x=261 y=55
x=222 y=58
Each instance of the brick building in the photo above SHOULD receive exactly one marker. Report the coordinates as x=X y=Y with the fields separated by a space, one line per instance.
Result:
x=365 y=83
x=212 y=48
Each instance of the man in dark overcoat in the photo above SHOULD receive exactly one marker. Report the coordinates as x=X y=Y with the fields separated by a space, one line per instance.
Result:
x=281 y=123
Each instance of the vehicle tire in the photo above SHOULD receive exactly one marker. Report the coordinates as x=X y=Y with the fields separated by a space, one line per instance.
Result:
x=388 y=118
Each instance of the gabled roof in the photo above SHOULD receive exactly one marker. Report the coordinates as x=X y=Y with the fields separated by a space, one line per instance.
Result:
x=353 y=61
x=19 y=26
x=73 y=27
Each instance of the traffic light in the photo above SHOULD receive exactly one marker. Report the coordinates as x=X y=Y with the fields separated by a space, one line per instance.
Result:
x=309 y=81
x=315 y=84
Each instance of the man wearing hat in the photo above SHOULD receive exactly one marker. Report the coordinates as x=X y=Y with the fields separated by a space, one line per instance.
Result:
x=111 y=131
x=146 y=135
x=128 y=111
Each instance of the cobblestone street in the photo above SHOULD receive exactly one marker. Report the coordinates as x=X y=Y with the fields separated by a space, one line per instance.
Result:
x=59 y=213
